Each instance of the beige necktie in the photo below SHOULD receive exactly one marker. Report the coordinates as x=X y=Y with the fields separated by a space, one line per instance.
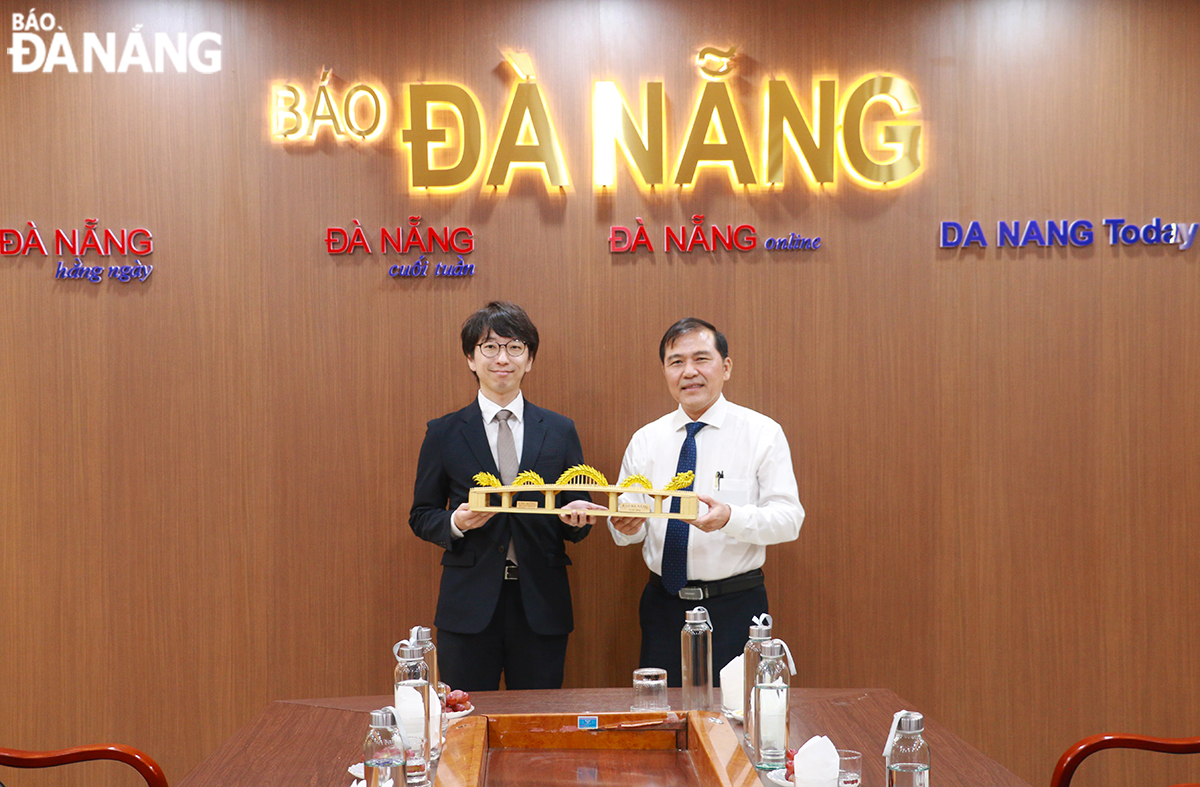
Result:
x=506 y=460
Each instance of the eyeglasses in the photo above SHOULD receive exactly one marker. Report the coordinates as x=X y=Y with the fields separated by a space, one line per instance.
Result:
x=490 y=349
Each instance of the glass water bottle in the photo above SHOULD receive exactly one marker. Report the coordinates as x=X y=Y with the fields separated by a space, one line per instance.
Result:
x=695 y=646
x=770 y=701
x=760 y=634
x=413 y=696
x=422 y=637
x=907 y=757
x=383 y=752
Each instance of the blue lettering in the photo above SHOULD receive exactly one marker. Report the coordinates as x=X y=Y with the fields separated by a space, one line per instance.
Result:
x=1057 y=233
x=952 y=233
x=461 y=268
x=1081 y=233
x=975 y=235
x=1006 y=236
x=80 y=271
x=1114 y=230
x=1152 y=232
x=418 y=267
x=1033 y=232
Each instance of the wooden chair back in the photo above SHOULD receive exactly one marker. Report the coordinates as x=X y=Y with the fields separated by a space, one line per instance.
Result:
x=1074 y=756
x=139 y=761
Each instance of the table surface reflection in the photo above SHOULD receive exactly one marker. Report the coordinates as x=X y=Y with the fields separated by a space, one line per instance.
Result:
x=313 y=742
x=612 y=768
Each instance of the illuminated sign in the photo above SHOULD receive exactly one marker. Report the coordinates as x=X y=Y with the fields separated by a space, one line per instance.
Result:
x=872 y=129
x=31 y=52
x=715 y=137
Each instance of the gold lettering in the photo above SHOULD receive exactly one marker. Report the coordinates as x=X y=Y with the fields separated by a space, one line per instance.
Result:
x=356 y=95
x=528 y=138
x=281 y=112
x=613 y=127
x=902 y=139
x=785 y=121
x=328 y=115
x=728 y=146
x=421 y=136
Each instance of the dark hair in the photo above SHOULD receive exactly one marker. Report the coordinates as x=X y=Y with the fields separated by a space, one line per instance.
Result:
x=507 y=319
x=687 y=325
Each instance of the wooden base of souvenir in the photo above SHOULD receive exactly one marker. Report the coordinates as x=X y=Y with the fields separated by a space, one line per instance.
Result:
x=481 y=498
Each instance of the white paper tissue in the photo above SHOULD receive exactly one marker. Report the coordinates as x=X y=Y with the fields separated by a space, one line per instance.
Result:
x=816 y=763
x=732 y=682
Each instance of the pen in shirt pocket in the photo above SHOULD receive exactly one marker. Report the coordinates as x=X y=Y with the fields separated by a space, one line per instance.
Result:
x=717 y=480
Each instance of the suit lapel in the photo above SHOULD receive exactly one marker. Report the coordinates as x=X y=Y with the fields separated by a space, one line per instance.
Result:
x=535 y=434
x=476 y=438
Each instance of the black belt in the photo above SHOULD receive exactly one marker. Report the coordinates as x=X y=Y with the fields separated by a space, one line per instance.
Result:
x=696 y=590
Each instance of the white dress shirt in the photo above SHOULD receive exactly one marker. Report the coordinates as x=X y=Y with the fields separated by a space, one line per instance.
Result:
x=491 y=426
x=750 y=453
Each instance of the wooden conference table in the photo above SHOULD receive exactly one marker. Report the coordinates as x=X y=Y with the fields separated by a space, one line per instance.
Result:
x=313 y=742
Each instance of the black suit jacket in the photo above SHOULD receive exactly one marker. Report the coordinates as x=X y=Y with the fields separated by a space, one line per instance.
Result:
x=455 y=449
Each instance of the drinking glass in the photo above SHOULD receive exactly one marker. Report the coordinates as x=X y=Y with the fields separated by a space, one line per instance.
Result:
x=650 y=689
x=849 y=768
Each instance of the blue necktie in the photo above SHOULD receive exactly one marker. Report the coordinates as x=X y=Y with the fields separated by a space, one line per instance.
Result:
x=674 y=558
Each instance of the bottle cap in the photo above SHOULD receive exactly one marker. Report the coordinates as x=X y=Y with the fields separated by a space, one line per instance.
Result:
x=772 y=649
x=382 y=718
x=421 y=634
x=406 y=651
x=389 y=709
x=903 y=721
x=761 y=628
x=697 y=615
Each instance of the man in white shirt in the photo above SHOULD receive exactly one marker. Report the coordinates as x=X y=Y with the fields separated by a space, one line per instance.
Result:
x=743 y=478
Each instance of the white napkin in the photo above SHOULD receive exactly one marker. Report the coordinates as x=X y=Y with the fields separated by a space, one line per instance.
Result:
x=817 y=762
x=410 y=707
x=732 y=684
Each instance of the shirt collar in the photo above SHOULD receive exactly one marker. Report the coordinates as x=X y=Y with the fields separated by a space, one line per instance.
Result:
x=490 y=408
x=714 y=416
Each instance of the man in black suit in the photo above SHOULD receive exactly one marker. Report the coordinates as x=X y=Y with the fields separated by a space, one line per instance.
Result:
x=504 y=602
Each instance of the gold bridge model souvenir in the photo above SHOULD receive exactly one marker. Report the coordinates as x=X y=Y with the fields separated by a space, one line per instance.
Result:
x=582 y=478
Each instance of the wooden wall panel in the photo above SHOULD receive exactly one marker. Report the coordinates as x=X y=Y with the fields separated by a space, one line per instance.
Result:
x=205 y=479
